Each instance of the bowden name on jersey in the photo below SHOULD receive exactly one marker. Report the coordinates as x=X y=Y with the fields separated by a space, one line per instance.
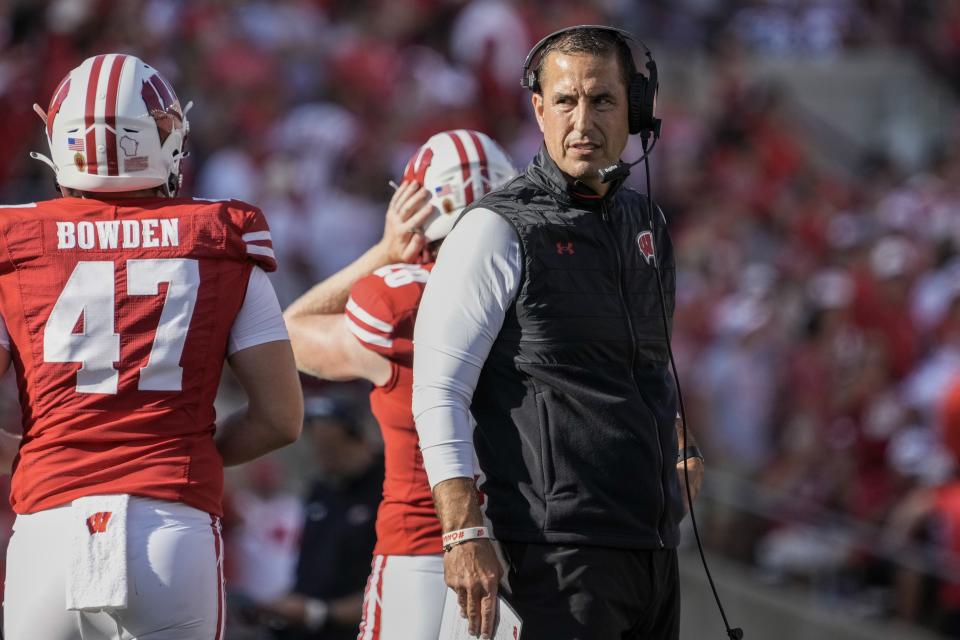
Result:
x=104 y=235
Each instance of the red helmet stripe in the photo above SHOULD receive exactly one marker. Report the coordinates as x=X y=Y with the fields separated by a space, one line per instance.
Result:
x=482 y=157
x=58 y=97
x=89 y=113
x=110 y=114
x=464 y=167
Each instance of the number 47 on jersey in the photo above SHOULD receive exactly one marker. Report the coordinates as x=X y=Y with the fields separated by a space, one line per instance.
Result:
x=90 y=294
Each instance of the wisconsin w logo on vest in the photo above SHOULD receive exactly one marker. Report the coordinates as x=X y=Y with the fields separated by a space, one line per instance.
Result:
x=97 y=523
x=645 y=244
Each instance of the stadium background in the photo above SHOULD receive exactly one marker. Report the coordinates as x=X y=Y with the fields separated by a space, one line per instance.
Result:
x=810 y=171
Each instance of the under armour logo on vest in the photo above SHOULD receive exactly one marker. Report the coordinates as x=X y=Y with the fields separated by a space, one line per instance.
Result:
x=564 y=248
x=97 y=523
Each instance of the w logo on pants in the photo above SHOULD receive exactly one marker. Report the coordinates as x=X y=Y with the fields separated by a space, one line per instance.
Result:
x=97 y=523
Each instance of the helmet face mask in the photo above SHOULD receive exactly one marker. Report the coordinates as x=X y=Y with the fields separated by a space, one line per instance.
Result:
x=457 y=167
x=113 y=125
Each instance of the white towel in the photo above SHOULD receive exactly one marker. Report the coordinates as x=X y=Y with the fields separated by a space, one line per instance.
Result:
x=97 y=564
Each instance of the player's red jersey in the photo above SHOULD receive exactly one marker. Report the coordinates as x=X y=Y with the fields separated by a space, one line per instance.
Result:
x=119 y=316
x=380 y=313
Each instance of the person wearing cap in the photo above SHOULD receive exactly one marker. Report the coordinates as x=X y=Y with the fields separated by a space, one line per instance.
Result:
x=338 y=531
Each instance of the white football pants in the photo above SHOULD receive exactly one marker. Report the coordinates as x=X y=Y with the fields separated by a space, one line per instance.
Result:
x=404 y=598
x=174 y=576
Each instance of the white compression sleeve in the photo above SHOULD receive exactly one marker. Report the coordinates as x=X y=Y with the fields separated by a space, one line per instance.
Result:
x=260 y=319
x=474 y=282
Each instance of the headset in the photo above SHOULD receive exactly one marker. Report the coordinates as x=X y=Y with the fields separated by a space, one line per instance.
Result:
x=642 y=93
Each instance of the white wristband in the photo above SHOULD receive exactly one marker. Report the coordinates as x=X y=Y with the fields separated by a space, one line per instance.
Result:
x=452 y=539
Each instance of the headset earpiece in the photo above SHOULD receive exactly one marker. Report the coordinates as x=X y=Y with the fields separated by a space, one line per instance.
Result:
x=638 y=114
x=650 y=97
x=531 y=81
x=643 y=95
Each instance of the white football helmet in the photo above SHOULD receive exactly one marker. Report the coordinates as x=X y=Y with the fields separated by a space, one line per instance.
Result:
x=115 y=124
x=457 y=167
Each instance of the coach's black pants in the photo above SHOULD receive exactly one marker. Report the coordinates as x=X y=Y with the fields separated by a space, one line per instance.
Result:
x=567 y=592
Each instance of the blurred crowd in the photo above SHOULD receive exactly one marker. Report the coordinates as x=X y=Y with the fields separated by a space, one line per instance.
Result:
x=818 y=334
x=817 y=328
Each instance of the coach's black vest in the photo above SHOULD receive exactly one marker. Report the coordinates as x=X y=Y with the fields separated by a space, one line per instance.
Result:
x=575 y=405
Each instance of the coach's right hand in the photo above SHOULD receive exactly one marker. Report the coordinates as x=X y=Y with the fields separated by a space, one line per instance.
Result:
x=473 y=571
x=471 y=568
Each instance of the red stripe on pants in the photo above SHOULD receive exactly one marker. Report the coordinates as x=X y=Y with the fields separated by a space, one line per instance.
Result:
x=218 y=549
x=379 y=613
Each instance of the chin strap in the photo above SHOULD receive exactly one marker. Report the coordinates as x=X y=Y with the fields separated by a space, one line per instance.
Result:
x=39 y=156
x=44 y=159
x=47 y=161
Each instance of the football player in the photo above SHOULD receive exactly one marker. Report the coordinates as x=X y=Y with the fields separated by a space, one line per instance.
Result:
x=359 y=324
x=119 y=303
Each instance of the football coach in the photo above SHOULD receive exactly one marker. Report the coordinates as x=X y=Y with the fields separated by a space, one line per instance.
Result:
x=543 y=317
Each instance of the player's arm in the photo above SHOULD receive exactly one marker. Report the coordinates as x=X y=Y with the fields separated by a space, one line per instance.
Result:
x=321 y=342
x=274 y=414
x=9 y=443
x=9 y=446
x=262 y=360
x=325 y=348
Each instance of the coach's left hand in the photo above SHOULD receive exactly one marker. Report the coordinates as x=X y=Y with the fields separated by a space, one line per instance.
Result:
x=473 y=571
x=695 y=474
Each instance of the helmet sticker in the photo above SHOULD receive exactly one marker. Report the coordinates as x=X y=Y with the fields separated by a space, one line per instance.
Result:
x=136 y=163
x=129 y=146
